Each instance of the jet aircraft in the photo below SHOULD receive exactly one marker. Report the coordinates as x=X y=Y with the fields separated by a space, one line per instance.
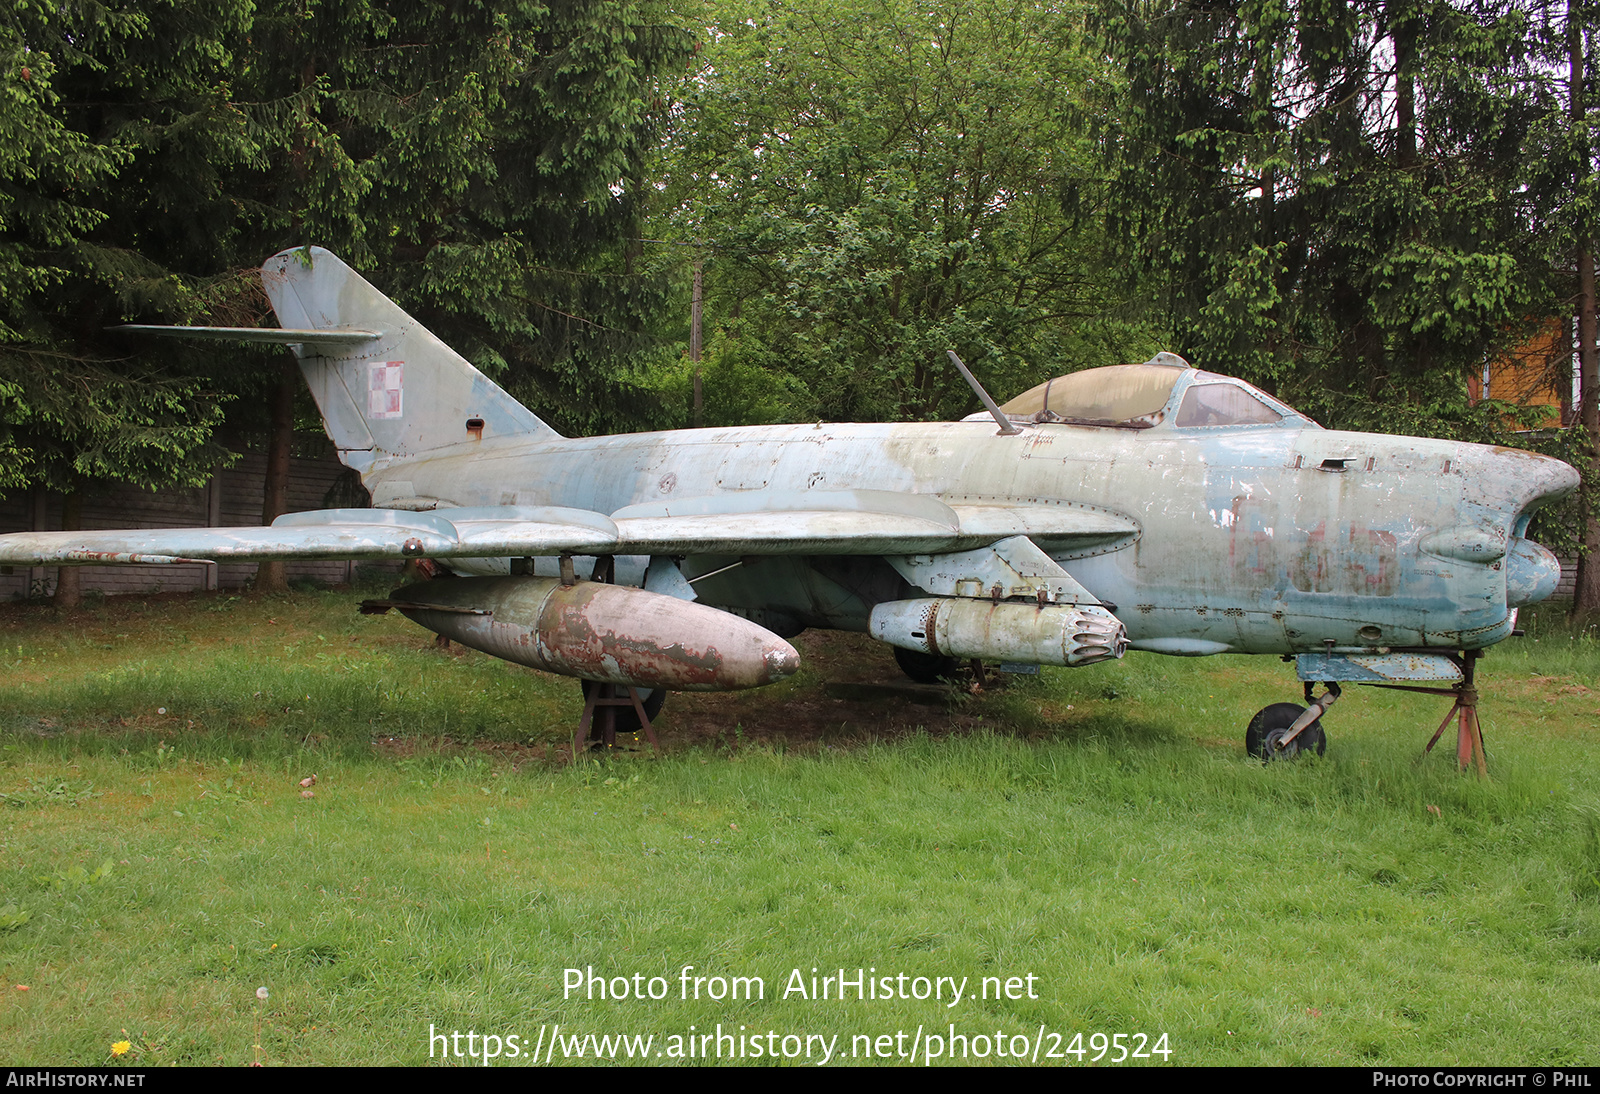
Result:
x=1151 y=506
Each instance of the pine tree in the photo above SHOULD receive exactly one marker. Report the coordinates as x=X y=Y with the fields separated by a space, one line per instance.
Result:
x=1325 y=193
x=479 y=161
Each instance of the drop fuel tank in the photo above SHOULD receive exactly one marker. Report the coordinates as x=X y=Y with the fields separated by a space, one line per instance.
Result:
x=595 y=631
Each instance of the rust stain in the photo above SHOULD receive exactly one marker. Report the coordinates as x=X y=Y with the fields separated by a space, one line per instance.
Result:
x=1365 y=565
x=595 y=649
x=1251 y=558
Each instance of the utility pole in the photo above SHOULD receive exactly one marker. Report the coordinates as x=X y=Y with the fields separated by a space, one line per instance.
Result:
x=694 y=335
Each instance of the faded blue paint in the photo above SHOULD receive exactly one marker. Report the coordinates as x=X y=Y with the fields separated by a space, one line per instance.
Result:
x=1378 y=668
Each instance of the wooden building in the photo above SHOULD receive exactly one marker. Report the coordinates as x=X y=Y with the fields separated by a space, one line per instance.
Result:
x=233 y=498
x=1539 y=372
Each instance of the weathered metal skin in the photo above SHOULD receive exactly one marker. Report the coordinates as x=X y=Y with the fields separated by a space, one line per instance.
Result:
x=1031 y=633
x=1378 y=668
x=1532 y=573
x=1267 y=535
x=597 y=631
x=362 y=534
x=1245 y=543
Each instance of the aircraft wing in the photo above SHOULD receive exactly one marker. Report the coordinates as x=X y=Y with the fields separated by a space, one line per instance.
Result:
x=361 y=534
x=838 y=522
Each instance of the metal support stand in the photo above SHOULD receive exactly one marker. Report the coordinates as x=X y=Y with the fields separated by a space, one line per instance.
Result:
x=600 y=709
x=1469 y=734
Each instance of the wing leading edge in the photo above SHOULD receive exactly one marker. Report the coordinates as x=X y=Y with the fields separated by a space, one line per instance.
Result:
x=842 y=522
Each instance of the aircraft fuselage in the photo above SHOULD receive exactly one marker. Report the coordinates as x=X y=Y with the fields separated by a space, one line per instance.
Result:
x=1276 y=539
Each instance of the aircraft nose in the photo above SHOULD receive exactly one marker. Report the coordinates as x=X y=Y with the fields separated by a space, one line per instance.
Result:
x=1532 y=571
x=1535 y=481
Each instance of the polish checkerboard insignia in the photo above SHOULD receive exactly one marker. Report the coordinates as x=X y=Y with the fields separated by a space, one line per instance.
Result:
x=385 y=389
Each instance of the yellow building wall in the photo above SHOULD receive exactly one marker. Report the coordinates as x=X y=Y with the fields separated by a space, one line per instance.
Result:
x=1536 y=373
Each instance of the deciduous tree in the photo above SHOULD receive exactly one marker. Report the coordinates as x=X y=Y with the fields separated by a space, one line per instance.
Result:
x=876 y=182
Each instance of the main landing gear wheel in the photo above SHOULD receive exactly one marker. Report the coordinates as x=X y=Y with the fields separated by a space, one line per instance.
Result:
x=1270 y=725
x=925 y=668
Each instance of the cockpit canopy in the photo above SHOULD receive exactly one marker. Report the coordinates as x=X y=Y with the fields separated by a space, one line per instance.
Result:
x=1145 y=395
x=1131 y=395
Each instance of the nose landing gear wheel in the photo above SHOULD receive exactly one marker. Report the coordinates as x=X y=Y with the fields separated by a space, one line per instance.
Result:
x=1270 y=725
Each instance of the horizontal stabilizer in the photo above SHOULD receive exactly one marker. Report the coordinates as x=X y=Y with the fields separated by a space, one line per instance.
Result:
x=274 y=335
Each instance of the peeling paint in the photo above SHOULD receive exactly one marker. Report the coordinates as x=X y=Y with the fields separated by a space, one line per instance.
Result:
x=610 y=633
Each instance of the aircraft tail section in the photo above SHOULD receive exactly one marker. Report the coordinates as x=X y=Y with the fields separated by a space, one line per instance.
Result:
x=395 y=391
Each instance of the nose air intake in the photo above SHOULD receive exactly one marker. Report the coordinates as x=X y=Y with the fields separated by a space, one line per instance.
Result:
x=1532 y=573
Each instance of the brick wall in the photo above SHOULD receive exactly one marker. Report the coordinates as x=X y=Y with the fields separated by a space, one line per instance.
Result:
x=1569 y=579
x=233 y=498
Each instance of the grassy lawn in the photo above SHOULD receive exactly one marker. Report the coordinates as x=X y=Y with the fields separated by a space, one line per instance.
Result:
x=1099 y=831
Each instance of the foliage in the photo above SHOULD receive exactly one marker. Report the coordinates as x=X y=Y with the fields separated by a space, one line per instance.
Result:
x=1352 y=205
x=877 y=182
x=1561 y=195
x=70 y=408
x=1325 y=194
x=479 y=161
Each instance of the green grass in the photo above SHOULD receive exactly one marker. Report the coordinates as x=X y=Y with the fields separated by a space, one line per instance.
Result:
x=1105 y=835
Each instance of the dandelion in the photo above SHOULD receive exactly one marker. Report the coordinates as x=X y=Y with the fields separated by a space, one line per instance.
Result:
x=120 y=1048
x=261 y=998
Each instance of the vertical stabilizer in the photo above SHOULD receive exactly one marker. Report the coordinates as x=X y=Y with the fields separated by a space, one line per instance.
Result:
x=398 y=395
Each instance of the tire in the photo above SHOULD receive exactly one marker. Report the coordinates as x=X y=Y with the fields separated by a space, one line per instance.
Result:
x=1271 y=723
x=925 y=668
x=627 y=720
